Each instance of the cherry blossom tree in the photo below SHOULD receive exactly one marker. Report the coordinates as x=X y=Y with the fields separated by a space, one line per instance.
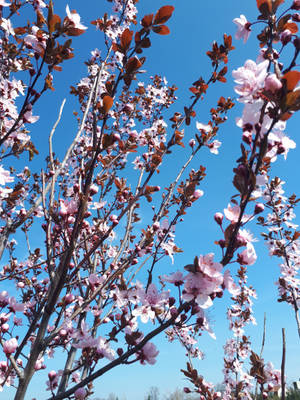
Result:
x=78 y=295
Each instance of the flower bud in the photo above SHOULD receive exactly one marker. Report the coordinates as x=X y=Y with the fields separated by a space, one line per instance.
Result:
x=259 y=207
x=297 y=40
x=10 y=346
x=198 y=193
x=222 y=243
x=52 y=375
x=286 y=37
x=114 y=219
x=219 y=218
x=272 y=83
x=172 y=301
x=4 y=328
x=69 y=298
x=120 y=351
x=93 y=190
x=296 y=17
x=192 y=142
x=296 y=5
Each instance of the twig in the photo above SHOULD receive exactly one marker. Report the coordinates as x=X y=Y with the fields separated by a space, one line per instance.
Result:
x=261 y=351
x=283 y=365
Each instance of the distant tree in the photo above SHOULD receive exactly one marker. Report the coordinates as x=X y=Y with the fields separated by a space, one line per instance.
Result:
x=176 y=395
x=153 y=393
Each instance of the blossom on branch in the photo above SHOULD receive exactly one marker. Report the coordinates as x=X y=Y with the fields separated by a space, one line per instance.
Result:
x=243 y=28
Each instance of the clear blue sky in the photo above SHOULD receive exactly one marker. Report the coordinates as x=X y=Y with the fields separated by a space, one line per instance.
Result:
x=181 y=58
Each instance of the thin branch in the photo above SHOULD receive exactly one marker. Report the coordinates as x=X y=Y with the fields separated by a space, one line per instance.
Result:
x=283 y=365
x=123 y=358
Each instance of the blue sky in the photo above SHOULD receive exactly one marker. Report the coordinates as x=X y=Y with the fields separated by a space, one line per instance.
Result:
x=181 y=58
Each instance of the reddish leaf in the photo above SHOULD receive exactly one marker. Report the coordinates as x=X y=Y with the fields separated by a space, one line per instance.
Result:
x=194 y=90
x=71 y=31
x=156 y=160
x=161 y=29
x=163 y=14
x=228 y=42
x=292 y=99
x=291 y=26
x=50 y=13
x=54 y=23
x=107 y=103
x=145 y=43
x=20 y=31
x=48 y=82
x=285 y=116
x=147 y=20
x=57 y=68
x=126 y=39
x=107 y=141
x=262 y=4
x=132 y=65
x=291 y=78
x=40 y=19
x=277 y=3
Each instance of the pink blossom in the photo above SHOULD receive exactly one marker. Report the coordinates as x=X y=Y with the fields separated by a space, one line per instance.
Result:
x=232 y=213
x=202 y=127
x=148 y=354
x=97 y=205
x=68 y=208
x=29 y=118
x=176 y=278
x=5 y=176
x=154 y=298
x=10 y=346
x=250 y=79
x=243 y=28
x=75 y=19
x=248 y=256
x=169 y=248
x=273 y=376
x=230 y=285
x=80 y=394
x=245 y=236
x=145 y=313
x=96 y=280
x=18 y=321
x=281 y=144
x=213 y=146
x=4 y=299
x=14 y=306
x=7 y=27
x=200 y=285
x=272 y=83
x=75 y=377
x=39 y=364
x=103 y=349
x=31 y=41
